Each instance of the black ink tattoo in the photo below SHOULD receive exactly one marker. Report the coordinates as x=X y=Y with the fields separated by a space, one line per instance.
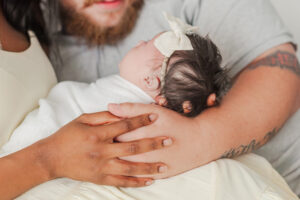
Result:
x=254 y=145
x=282 y=59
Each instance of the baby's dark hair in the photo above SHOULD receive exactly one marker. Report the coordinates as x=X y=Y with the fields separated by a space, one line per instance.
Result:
x=195 y=75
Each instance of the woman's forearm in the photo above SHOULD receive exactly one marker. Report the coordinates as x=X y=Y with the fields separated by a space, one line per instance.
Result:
x=21 y=171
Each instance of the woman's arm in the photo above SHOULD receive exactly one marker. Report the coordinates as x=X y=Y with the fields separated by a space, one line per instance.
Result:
x=82 y=150
x=21 y=171
x=262 y=98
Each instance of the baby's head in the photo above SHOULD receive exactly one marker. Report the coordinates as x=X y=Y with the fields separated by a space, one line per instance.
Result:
x=194 y=79
x=186 y=81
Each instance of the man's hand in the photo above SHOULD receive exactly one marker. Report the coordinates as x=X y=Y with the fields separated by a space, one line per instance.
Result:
x=262 y=98
x=190 y=148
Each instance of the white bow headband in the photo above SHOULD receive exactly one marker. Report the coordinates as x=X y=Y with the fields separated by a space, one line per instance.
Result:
x=174 y=40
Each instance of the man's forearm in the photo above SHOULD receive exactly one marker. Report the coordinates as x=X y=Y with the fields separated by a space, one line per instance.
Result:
x=21 y=171
x=262 y=98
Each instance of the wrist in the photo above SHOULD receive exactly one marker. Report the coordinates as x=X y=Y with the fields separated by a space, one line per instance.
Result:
x=213 y=134
x=43 y=161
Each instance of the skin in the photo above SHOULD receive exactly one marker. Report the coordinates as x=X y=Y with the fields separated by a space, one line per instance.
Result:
x=97 y=159
x=216 y=132
x=210 y=135
x=98 y=15
x=218 y=125
x=141 y=66
x=11 y=39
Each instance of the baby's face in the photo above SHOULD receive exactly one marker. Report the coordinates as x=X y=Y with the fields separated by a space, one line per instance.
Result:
x=142 y=65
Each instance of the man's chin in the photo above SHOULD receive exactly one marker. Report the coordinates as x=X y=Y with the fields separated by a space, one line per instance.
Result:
x=109 y=29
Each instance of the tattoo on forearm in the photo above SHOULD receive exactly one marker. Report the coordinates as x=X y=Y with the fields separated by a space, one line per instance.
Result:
x=244 y=149
x=281 y=59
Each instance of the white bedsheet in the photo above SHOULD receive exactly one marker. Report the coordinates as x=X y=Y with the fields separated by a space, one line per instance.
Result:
x=248 y=177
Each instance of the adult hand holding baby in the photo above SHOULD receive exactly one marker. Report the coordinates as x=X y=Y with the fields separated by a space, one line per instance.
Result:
x=184 y=154
x=85 y=150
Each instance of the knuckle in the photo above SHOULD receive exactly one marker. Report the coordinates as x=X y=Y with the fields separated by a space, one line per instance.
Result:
x=144 y=120
x=94 y=155
x=133 y=148
x=151 y=169
x=129 y=170
x=93 y=138
x=128 y=125
x=135 y=182
x=154 y=145
x=132 y=183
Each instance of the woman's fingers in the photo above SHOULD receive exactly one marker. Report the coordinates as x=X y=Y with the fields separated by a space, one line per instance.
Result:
x=116 y=129
x=126 y=168
x=91 y=161
x=125 y=181
x=138 y=147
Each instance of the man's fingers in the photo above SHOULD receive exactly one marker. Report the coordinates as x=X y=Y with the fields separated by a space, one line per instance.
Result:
x=98 y=118
x=126 y=168
x=138 y=147
x=118 y=128
x=125 y=181
x=131 y=109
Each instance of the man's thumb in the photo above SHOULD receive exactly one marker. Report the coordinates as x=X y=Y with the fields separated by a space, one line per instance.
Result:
x=126 y=110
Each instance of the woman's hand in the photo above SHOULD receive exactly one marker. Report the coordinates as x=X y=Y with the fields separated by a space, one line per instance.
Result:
x=85 y=150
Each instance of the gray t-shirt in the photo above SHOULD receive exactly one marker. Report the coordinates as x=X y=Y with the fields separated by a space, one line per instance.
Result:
x=242 y=29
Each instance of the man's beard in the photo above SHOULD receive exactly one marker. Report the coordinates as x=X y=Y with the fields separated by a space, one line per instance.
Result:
x=78 y=25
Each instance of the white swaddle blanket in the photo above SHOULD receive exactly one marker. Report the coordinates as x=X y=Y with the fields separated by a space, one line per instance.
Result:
x=248 y=177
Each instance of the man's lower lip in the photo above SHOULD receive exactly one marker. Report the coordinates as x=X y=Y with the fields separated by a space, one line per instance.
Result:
x=110 y=4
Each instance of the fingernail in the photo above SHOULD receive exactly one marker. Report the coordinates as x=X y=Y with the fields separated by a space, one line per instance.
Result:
x=149 y=183
x=167 y=142
x=162 y=169
x=153 y=117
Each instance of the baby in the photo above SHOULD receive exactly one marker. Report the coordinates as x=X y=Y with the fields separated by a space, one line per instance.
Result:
x=180 y=70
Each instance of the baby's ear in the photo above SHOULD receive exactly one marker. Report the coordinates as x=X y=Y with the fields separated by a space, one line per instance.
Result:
x=187 y=107
x=152 y=82
x=211 y=100
x=160 y=100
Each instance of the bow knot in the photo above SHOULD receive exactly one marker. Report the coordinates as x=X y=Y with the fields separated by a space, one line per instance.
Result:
x=174 y=40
